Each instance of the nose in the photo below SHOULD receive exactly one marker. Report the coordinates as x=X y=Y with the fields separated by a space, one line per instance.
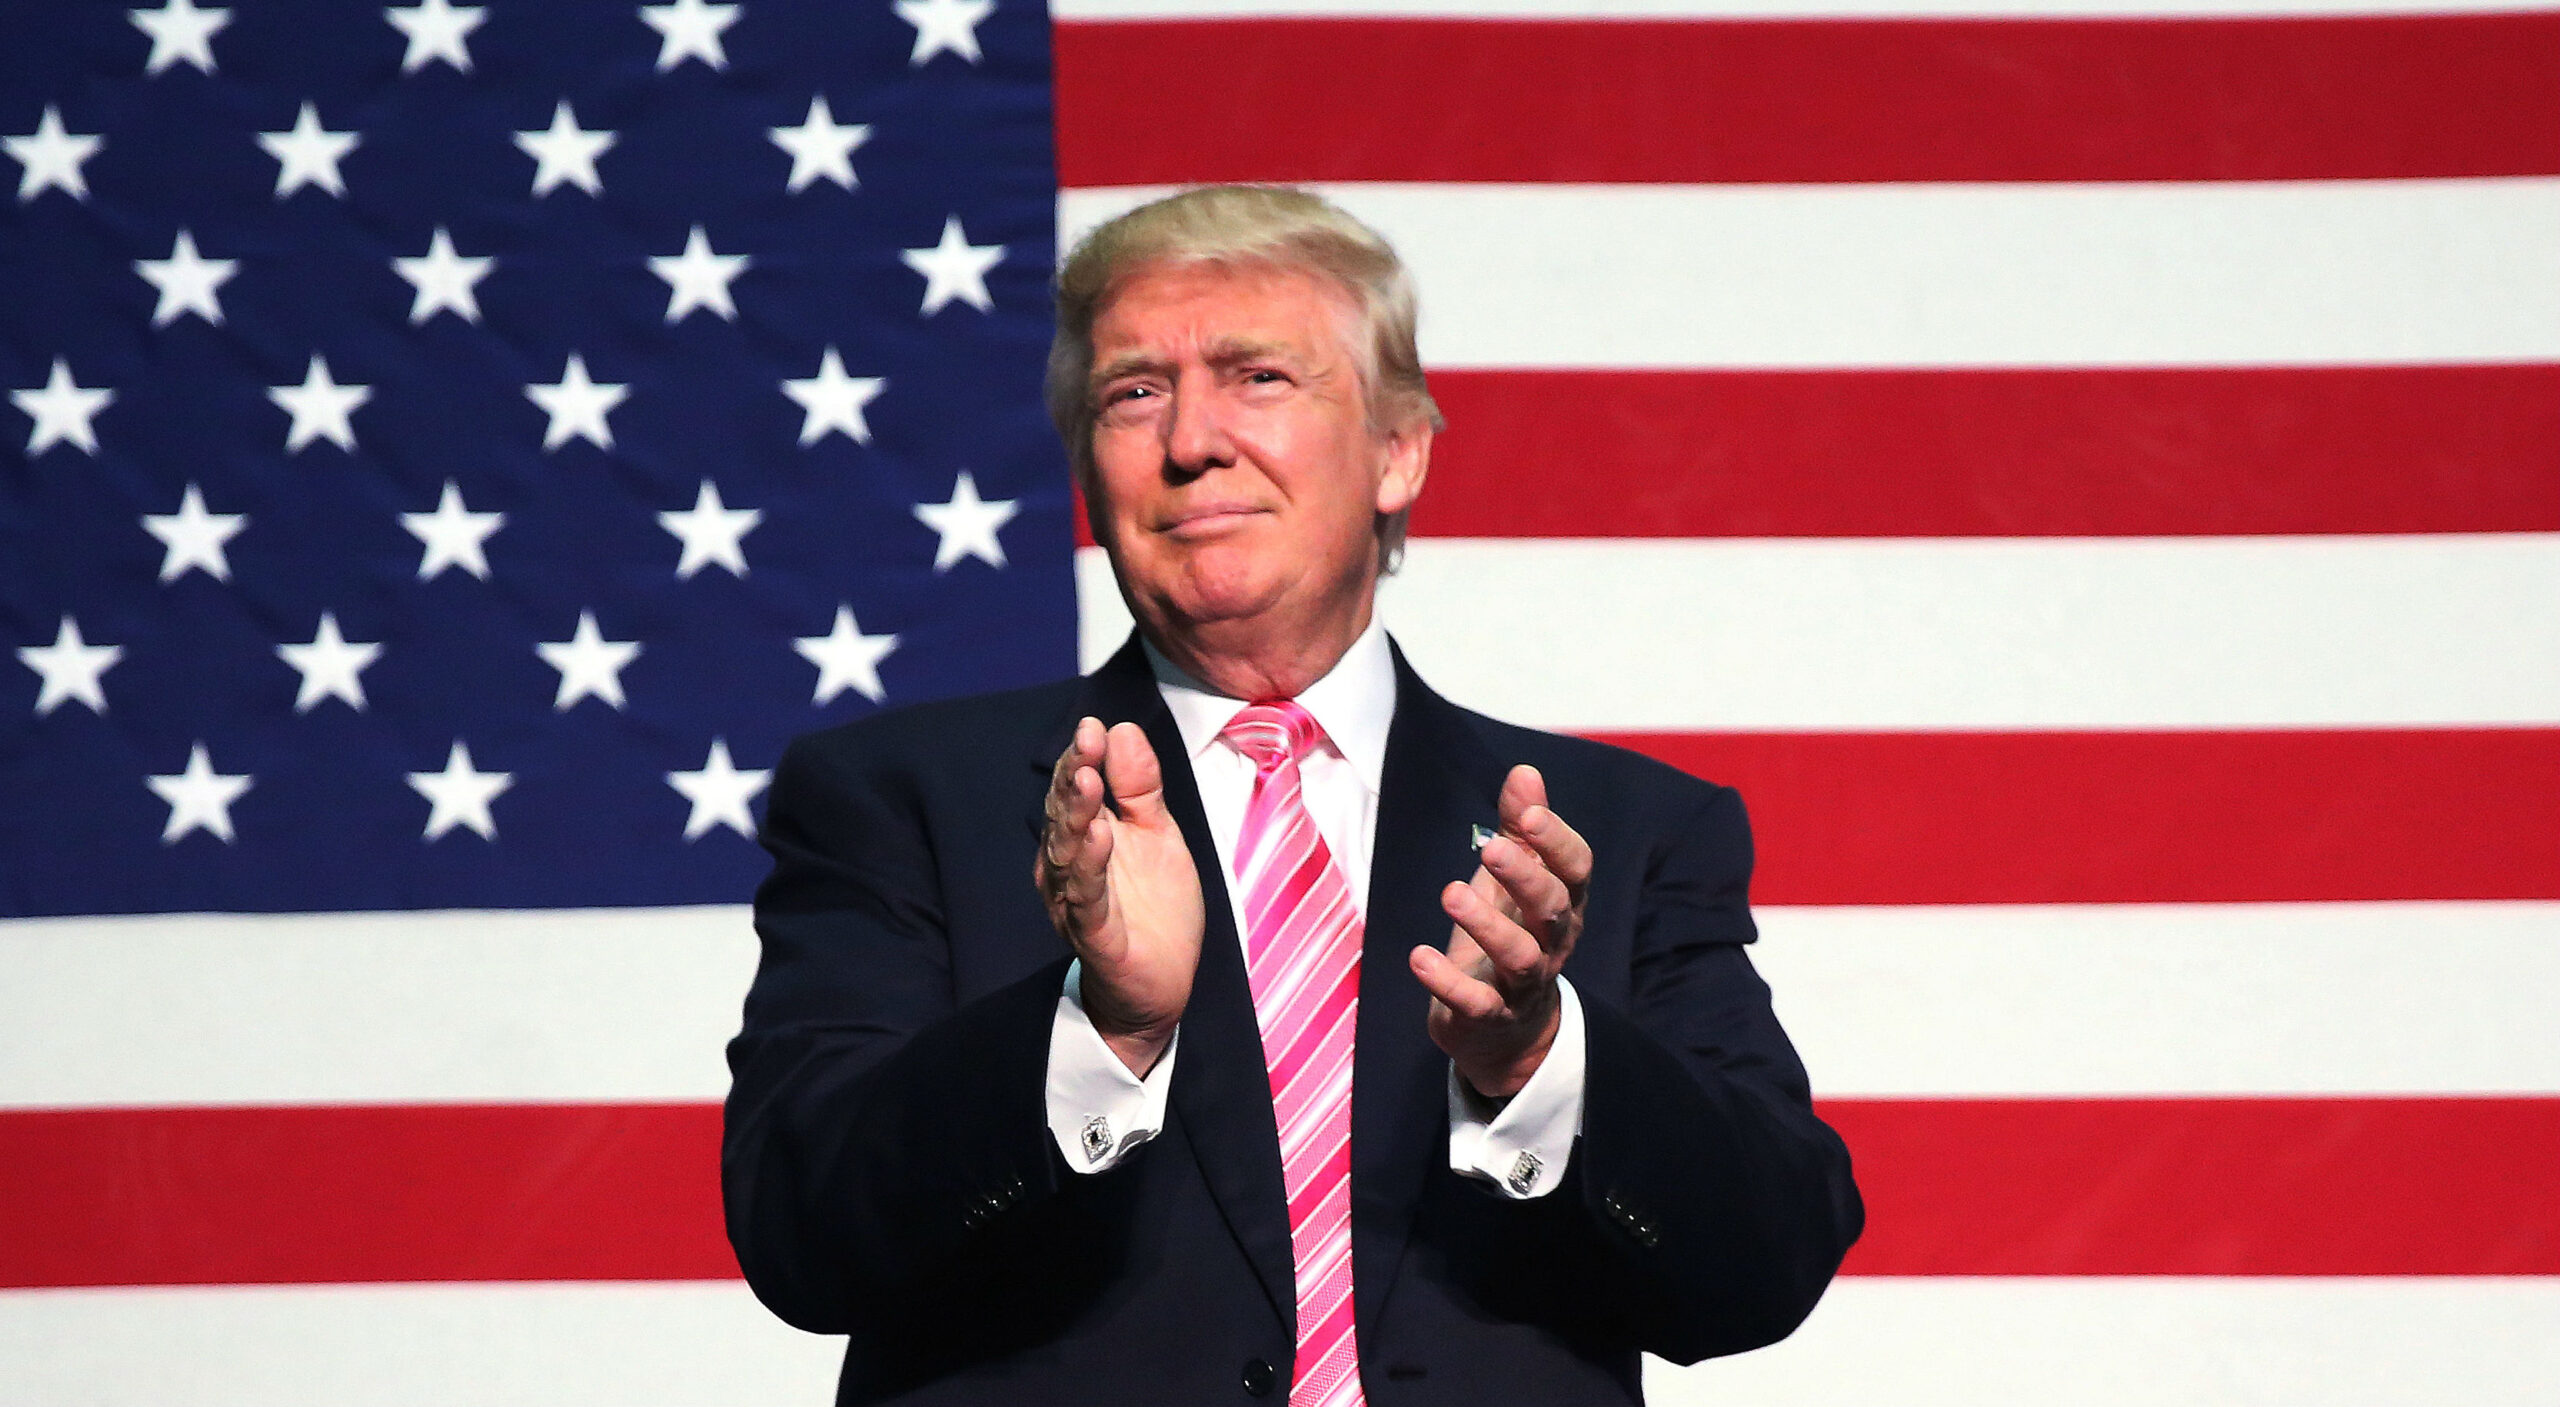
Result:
x=1196 y=438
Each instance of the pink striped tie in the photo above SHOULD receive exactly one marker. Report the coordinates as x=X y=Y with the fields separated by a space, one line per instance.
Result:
x=1302 y=952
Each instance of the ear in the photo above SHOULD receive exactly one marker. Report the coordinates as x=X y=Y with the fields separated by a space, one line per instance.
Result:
x=1408 y=463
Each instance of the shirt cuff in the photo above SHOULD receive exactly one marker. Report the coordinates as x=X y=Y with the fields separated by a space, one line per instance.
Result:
x=1098 y=1111
x=1520 y=1145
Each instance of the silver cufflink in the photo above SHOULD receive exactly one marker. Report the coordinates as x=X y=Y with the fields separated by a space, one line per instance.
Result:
x=1524 y=1174
x=1097 y=1138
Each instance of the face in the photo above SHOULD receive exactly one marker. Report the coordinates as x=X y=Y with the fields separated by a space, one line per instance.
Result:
x=1236 y=476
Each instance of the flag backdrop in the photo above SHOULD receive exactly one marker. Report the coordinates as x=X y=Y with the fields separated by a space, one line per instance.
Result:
x=2093 y=482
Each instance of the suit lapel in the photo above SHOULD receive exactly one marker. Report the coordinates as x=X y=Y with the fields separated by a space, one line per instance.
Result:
x=1438 y=783
x=1221 y=1095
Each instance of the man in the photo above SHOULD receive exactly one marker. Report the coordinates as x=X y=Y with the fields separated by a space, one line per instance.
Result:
x=1244 y=1020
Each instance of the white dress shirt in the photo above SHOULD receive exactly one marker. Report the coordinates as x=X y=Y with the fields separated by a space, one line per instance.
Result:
x=1098 y=1110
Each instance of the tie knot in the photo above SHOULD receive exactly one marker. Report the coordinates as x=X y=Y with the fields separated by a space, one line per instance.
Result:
x=1272 y=731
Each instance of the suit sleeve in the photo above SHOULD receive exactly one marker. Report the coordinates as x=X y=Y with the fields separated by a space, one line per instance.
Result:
x=877 y=1134
x=1725 y=1203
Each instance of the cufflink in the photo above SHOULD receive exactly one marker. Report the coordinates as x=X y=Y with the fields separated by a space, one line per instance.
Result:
x=1524 y=1174
x=1097 y=1138
x=1478 y=835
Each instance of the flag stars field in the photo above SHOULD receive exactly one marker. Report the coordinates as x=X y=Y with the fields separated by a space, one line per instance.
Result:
x=187 y=282
x=821 y=150
x=945 y=26
x=577 y=405
x=698 y=278
x=331 y=666
x=438 y=31
x=51 y=158
x=690 y=29
x=452 y=536
x=954 y=268
x=73 y=670
x=320 y=407
x=565 y=153
x=967 y=524
x=713 y=534
x=307 y=155
x=832 y=402
x=720 y=793
x=443 y=281
x=460 y=794
x=199 y=798
x=180 y=34
x=194 y=538
x=64 y=412
x=590 y=666
x=846 y=659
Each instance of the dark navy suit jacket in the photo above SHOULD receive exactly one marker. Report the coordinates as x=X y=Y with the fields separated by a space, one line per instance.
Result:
x=890 y=1175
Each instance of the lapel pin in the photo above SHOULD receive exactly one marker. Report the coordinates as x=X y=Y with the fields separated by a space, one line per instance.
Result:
x=1478 y=835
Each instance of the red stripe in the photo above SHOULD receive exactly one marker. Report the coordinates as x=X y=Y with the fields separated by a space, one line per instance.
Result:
x=1976 y=818
x=1821 y=100
x=2449 y=1186
x=2098 y=453
x=2205 y=1186
x=1996 y=453
x=339 y=1194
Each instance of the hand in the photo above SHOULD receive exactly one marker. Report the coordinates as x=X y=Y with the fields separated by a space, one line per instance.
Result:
x=1494 y=1002
x=1121 y=888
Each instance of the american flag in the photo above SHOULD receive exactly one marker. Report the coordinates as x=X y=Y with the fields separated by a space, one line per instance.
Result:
x=2092 y=480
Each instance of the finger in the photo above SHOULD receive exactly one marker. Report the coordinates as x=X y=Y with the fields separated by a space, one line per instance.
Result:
x=1455 y=989
x=1137 y=779
x=1537 y=896
x=1071 y=816
x=1084 y=749
x=1513 y=954
x=1086 y=884
x=1526 y=816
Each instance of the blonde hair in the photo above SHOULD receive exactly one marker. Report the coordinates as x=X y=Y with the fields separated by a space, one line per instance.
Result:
x=1248 y=226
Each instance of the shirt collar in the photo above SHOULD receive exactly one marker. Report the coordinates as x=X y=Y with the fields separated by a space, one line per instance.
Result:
x=1354 y=703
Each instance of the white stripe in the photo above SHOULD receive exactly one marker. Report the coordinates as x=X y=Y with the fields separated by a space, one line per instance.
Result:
x=1944 y=274
x=2151 y=1342
x=1074 y=11
x=2046 y=1000
x=320 y=1008
x=1971 y=633
x=2326 y=999
x=2148 y=1342
x=590 y=1345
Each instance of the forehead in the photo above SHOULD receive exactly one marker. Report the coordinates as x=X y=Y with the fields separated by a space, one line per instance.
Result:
x=1168 y=310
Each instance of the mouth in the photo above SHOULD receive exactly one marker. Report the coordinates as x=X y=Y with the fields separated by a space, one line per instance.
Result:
x=1208 y=520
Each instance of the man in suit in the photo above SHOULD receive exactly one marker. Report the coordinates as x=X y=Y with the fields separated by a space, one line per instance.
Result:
x=1245 y=1021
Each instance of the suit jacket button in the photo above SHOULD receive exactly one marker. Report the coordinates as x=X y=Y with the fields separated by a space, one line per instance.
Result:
x=1260 y=1377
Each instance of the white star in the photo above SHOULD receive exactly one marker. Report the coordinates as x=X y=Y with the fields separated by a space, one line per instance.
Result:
x=453 y=535
x=460 y=794
x=188 y=282
x=832 y=401
x=436 y=30
x=52 y=157
x=719 y=793
x=588 y=663
x=199 y=798
x=819 y=148
x=698 y=278
x=846 y=658
x=444 y=280
x=577 y=406
x=319 y=407
x=565 y=152
x=329 y=665
x=955 y=268
x=945 y=24
x=62 y=411
x=71 y=668
x=193 y=538
x=712 y=533
x=180 y=33
x=689 y=29
x=968 y=524
x=308 y=156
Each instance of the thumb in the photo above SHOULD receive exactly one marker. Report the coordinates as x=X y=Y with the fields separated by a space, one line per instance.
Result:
x=1137 y=778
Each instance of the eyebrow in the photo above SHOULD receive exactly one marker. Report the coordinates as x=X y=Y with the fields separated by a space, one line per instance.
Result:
x=1226 y=352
